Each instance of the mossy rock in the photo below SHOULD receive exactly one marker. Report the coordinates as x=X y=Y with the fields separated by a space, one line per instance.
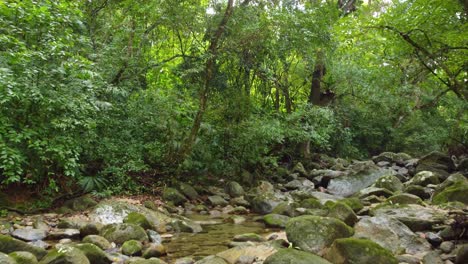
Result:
x=276 y=220
x=174 y=196
x=311 y=203
x=65 y=255
x=119 y=233
x=189 y=191
x=132 y=248
x=423 y=178
x=80 y=203
x=284 y=208
x=5 y=259
x=343 y=212
x=314 y=233
x=9 y=245
x=457 y=192
x=404 y=198
x=99 y=241
x=154 y=250
x=293 y=256
x=234 y=189
x=359 y=251
x=23 y=257
x=93 y=253
x=354 y=203
x=421 y=192
x=389 y=182
x=248 y=237
x=138 y=219
x=212 y=260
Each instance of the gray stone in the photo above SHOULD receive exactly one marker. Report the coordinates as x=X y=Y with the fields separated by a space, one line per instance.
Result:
x=189 y=191
x=355 y=250
x=234 y=189
x=216 y=200
x=174 y=196
x=99 y=241
x=5 y=259
x=94 y=254
x=416 y=217
x=23 y=257
x=65 y=255
x=29 y=234
x=212 y=260
x=447 y=246
x=424 y=178
x=186 y=225
x=63 y=233
x=119 y=233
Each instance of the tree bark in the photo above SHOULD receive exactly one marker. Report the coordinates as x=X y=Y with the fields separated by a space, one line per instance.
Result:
x=317 y=76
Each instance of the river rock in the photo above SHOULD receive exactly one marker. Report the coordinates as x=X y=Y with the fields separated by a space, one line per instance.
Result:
x=29 y=234
x=99 y=241
x=114 y=212
x=421 y=192
x=404 y=198
x=275 y=220
x=137 y=219
x=355 y=250
x=416 y=217
x=216 y=200
x=5 y=259
x=462 y=254
x=174 y=196
x=248 y=237
x=389 y=182
x=132 y=248
x=424 y=178
x=264 y=203
x=119 y=233
x=361 y=175
x=391 y=234
x=212 y=260
x=9 y=245
x=189 y=191
x=260 y=252
x=80 y=203
x=154 y=250
x=343 y=212
x=234 y=189
x=293 y=256
x=391 y=157
x=457 y=192
x=436 y=162
x=146 y=261
x=65 y=255
x=63 y=233
x=23 y=257
x=186 y=225
x=314 y=233
x=90 y=229
x=94 y=254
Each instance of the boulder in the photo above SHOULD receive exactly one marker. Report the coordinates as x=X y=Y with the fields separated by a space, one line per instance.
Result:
x=315 y=233
x=234 y=189
x=119 y=233
x=275 y=220
x=216 y=200
x=264 y=203
x=80 y=203
x=65 y=255
x=29 y=234
x=186 y=225
x=212 y=260
x=361 y=175
x=404 y=198
x=437 y=162
x=416 y=217
x=9 y=245
x=137 y=219
x=99 y=241
x=248 y=237
x=421 y=192
x=63 y=233
x=391 y=157
x=189 y=191
x=424 y=178
x=343 y=212
x=462 y=254
x=146 y=261
x=154 y=250
x=293 y=256
x=22 y=257
x=174 y=196
x=299 y=168
x=259 y=251
x=94 y=254
x=391 y=234
x=114 y=212
x=354 y=203
x=5 y=259
x=355 y=250
x=389 y=182
x=132 y=248
x=456 y=192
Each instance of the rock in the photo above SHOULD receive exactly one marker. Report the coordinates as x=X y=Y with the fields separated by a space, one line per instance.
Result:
x=432 y=258
x=240 y=201
x=29 y=234
x=174 y=196
x=94 y=254
x=246 y=260
x=23 y=257
x=447 y=246
x=154 y=250
x=248 y=237
x=189 y=191
x=234 y=189
x=463 y=166
x=355 y=250
x=424 y=178
x=299 y=168
x=354 y=203
x=114 y=212
x=264 y=203
x=259 y=251
x=40 y=244
x=40 y=224
x=293 y=256
x=361 y=175
x=146 y=261
x=389 y=182
x=391 y=157
x=436 y=162
x=373 y=191
x=235 y=219
x=311 y=203
x=434 y=239
x=65 y=255
x=212 y=260
x=456 y=192
x=421 y=192
x=314 y=233
x=404 y=198
x=154 y=237
x=137 y=219
x=99 y=241
x=416 y=217
x=275 y=220
x=132 y=248
x=462 y=254
x=293 y=185
x=63 y=233
x=409 y=259
x=9 y=245
x=89 y=229
x=216 y=200
x=119 y=233
x=343 y=212
x=5 y=259
x=186 y=225
x=284 y=208
x=80 y=203
x=186 y=260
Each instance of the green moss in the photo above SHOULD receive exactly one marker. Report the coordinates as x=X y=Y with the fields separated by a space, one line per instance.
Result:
x=132 y=248
x=311 y=203
x=119 y=233
x=343 y=212
x=275 y=220
x=293 y=256
x=359 y=251
x=137 y=219
x=23 y=257
x=93 y=253
x=457 y=192
x=9 y=245
x=354 y=203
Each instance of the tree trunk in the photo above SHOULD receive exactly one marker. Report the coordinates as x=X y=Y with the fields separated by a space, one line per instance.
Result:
x=317 y=76
x=187 y=146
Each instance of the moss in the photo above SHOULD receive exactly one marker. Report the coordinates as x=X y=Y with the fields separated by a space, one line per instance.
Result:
x=23 y=257
x=359 y=251
x=249 y=237
x=137 y=219
x=354 y=203
x=293 y=256
x=65 y=254
x=132 y=248
x=275 y=220
x=93 y=253
x=311 y=203
x=119 y=233
x=9 y=245
x=404 y=198
x=172 y=195
x=457 y=192
x=343 y=212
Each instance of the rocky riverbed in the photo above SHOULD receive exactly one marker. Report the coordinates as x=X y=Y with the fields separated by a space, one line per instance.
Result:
x=391 y=209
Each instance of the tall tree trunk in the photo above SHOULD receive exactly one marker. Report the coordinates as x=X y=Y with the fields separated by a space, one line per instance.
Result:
x=317 y=76
x=205 y=91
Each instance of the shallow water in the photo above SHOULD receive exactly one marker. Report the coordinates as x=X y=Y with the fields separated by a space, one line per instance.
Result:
x=212 y=240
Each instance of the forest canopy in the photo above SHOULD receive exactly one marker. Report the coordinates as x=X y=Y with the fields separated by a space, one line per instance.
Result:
x=106 y=94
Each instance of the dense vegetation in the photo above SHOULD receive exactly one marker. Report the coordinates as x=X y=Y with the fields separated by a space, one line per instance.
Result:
x=111 y=94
